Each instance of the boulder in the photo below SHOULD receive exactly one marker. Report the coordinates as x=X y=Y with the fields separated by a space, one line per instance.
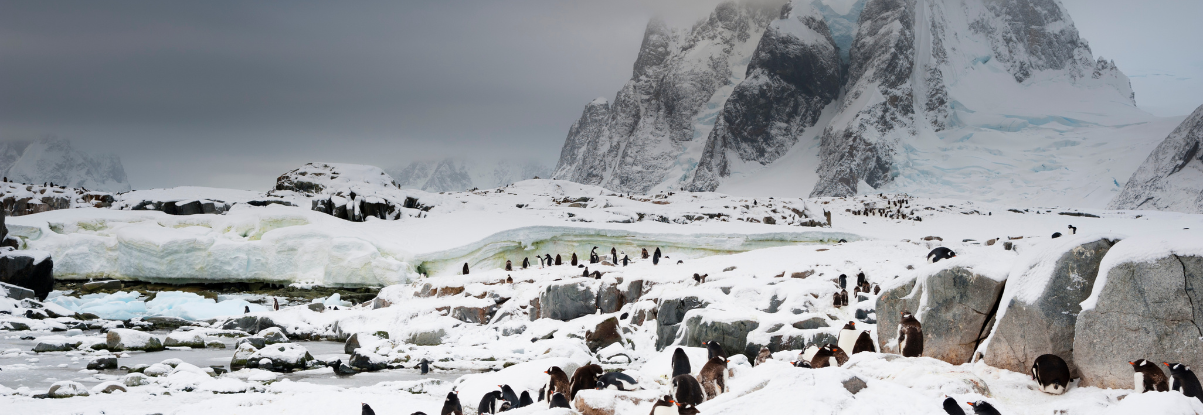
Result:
x=255 y=341
x=14 y=292
x=366 y=361
x=103 y=363
x=729 y=329
x=351 y=344
x=605 y=334
x=56 y=344
x=273 y=335
x=242 y=353
x=427 y=337
x=955 y=306
x=566 y=300
x=251 y=324
x=670 y=314
x=33 y=270
x=1145 y=309
x=94 y=286
x=193 y=339
x=811 y=323
x=126 y=339
x=108 y=387
x=283 y=357
x=167 y=323
x=318 y=307
x=613 y=402
x=1037 y=322
x=67 y=389
x=135 y=379
x=474 y=315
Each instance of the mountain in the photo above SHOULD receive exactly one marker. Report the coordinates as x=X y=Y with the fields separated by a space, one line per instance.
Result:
x=454 y=175
x=55 y=160
x=993 y=100
x=1172 y=177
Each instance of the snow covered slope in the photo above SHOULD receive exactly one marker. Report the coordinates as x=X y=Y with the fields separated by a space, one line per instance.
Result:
x=1172 y=177
x=54 y=160
x=455 y=175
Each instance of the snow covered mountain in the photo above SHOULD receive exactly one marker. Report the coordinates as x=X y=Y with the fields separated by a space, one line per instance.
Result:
x=1172 y=177
x=453 y=175
x=55 y=160
x=990 y=100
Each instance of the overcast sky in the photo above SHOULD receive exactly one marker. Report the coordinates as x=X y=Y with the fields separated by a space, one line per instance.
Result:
x=234 y=93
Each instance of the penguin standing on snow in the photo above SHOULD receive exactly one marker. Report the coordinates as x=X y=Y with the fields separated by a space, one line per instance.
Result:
x=843 y=281
x=557 y=401
x=525 y=400
x=574 y=261
x=614 y=254
x=509 y=266
x=645 y=253
x=836 y=301
x=508 y=394
x=910 y=336
x=276 y=304
x=844 y=298
x=847 y=337
x=558 y=261
x=1149 y=377
x=1182 y=379
x=1052 y=373
x=526 y=263
x=367 y=410
x=246 y=309
x=940 y=253
x=593 y=258
x=618 y=381
x=864 y=343
x=451 y=405
x=952 y=407
x=713 y=377
x=983 y=408
x=585 y=377
x=490 y=403
x=557 y=381
x=664 y=406
x=680 y=363
x=861 y=281
x=425 y=366
x=687 y=391
x=465 y=268
x=586 y=273
x=713 y=350
x=625 y=259
x=656 y=257
x=763 y=356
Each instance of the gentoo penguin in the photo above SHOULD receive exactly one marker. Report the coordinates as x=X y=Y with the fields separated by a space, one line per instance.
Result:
x=465 y=268
x=844 y=297
x=558 y=261
x=876 y=289
x=425 y=366
x=763 y=356
x=525 y=262
x=625 y=260
x=509 y=266
x=808 y=353
x=688 y=411
x=585 y=377
x=1148 y=377
x=341 y=369
x=246 y=310
x=664 y=406
x=910 y=336
x=508 y=394
x=1182 y=379
x=546 y=260
x=524 y=400
x=952 y=407
x=823 y=357
x=861 y=281
x=593 y=258
x=843 y=281
x=617 y=380
x=574 y=261
x=803 y=364
x=586 y=273
x=1051 y=373
x=840 y=355
x=864 y=343
x=596 y=275
x=276 y=304
x=490 y=403
x=713 y=350
x=713 y=377
x=645 y=253
x=451 y=405
x=557 y=401
x=847 y=337
x=1056 y=235
x=686 y=391
x=367 y=410
x=656 y=257
x=939 y=253
x=680 y=363
x=657 y=253
x=557 y=381
x=1073 y=230
x=614 y=254
x=983 y=408
x=836 y=301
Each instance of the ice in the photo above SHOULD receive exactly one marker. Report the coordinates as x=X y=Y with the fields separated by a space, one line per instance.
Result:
x=124 y=305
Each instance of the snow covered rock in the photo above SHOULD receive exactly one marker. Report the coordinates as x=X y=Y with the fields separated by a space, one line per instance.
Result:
x=67 y=389
x=1041 y=303
x=55 y=160
x=33 y=270
x=669 y=316
x=126 y=339
x=457 y=175
x=729 y=329
x=135 y=379
x=273 y=335
x=1171 y=178
x=103 y=363
x=568 y=299
x=348 y=191
x=615 y=294
x=193 y=339
x=613 y=402
x=242 y=353
x=367 y=361
x=474 y=315
x=108 y=387
x=1144 y=305
x=252 y=324
x=283 y=357
x=14 y=292
x=955 y=305
x=56 y=344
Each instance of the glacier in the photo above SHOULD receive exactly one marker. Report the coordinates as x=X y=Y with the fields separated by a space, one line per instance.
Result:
x=55 y=160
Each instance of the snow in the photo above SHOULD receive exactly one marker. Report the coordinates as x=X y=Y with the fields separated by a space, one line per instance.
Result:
x=52 y=159
x=124 y=305
x=1144 y=248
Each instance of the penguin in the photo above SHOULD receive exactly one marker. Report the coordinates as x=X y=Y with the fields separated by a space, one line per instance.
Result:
x=836 y=301
x=585 y=377
x=876 y=289
x=424 y=365
x=664 y=406
x=983 y=408
x=808 y=354
x=864 y=343
x=803 y=364
x=367 y=410
x=341 y=369
x=1051 y=373
x=645 y=253
x=593 y=257
x=843 y=281
x=451 y=405
x=861 y=281
x=763 y=356
x=940 y=253
x=574 y=261
x=823 y=357
x=1182 y=379
x=617 y=380
x=276 y=304
x=490 y=403
x=509 y=266
x=586 y=273
x=844 y=298
x=465 y=268
x=625 y=260
x=686 y=391
x=525 y=262
x=1148 y=377
x=540 y=261
x=597 y=275
x=525 y=400
x=713 y=350
x=508 y=394
x=1056 y=235
x=910 y=336
x=713 y=377
x=952 y=407
x=557 y=401
x=656 y=257
x=680 y=363
x=614 y=254
x=557 y=381
x=840 y=355
x=558 y=261
x=1073 y=230
x=509 y=279
x=847 y=337
x=246 y=309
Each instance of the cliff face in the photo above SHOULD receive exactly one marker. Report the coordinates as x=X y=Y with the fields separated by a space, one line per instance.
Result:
x=1172 y=177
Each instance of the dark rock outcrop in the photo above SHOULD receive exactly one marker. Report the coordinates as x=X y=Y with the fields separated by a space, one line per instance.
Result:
x=33 y=270
x=959 y=308
x=1171 y=178
x=566 y=300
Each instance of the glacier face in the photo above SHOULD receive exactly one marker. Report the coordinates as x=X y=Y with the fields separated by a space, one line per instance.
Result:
x=55 y=160
x=454 y=175
x=1172 y=177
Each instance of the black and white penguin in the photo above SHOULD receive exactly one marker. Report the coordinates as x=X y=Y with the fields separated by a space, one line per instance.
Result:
x=614 y=254
x=713 y=350
x=864 y=343
x=557 y=381
x=645 y=253
x=558 y=261
x=910 y=336
x=509 y=266
x=490 y=403
x=861 y=280
x=713 y=377
x=246 y=309
x=593 y=258
x=844 y=298
x=574 y=261
x=847 y=337
x=585 y=377
x=1051 y=373
x=586 y=273
x=664 y=406
x=424 y=365
x=1182 y=379
x=465 y=268
x=687 y=391
x=843 y=281
x=983 y=408
x=803 y=364
x=617 y=380
x=276 y=304
x=524 y=400
x=1073 y=230
x=656 y=257
x=836 y=301
x=952 y=407
x=940 y=253
x=451 y=405
x=763 y=356
x=526 y=263
x=508 y=394
x=367 y=410
x=1148 y=377
x=626 y=260
x=558 y=400
x=596 y=275
x=823 y=357
x=680 y=363
x=1056 y=235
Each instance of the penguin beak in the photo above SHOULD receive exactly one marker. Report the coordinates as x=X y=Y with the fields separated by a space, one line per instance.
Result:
x=1166 y=364
x=970 y=403
x=1131 y=363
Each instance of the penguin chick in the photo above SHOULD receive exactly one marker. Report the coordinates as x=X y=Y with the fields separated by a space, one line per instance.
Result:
x=508 y=394
x=983 y=408
x=763 y=356
x=687 y=391
x=557 y=381
x=713 y=377
x=558 y=401
x=585 y=377
x=525 y=400
x=864 y=343
x=1148 y=377
x=910 y=336
x=713 y=349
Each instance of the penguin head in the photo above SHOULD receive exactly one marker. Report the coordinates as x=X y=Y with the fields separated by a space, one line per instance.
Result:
x=850 y=326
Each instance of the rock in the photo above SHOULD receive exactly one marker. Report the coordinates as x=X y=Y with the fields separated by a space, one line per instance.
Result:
x=16 y=326
x=613 y=402
x=218 y=370
x=167 y=323
x=273 y=335
x=351 y=344
x=854 y=384
x=94 y=286
x=959 y=306
x=33 y=270
x=135 y=379
x=67 y=389
x=103 y=363
x=56 y=345
x=318 y=307
x=193 y=339
x=611 y=299
x=242 y=353
x=1168 y=178
x=283 y=357
x=474 y=315
x=566 y=300
x=728 y=330
x=126 y=339
x=366 y=361
x=605 y=334
x=427 y=338
x=1145 y=309
x=670 y=314
x=255 y=341
x=1044 y=323
x=108 y=387
x=811 y=323
x=251 y=324
x=15 y=292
